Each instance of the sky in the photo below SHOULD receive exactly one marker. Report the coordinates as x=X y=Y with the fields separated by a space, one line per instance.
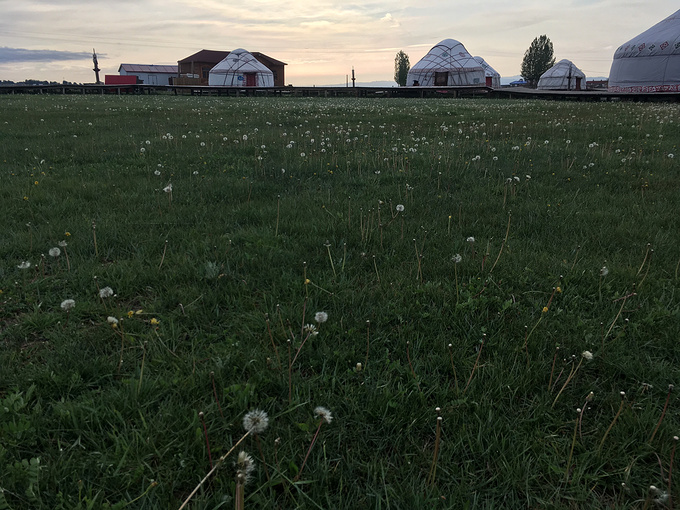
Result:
x=320 y=41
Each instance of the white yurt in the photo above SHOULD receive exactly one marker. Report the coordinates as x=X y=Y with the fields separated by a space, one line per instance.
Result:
x=240 y=69
x=446 y=64
x=649 y=62
x=493 y=77
x=563 y=76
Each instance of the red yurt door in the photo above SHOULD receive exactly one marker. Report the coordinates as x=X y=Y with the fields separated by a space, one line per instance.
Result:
x=489 y=82
x=251 y=80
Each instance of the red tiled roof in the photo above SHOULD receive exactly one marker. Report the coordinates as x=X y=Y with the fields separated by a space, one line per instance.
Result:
x=214 y=57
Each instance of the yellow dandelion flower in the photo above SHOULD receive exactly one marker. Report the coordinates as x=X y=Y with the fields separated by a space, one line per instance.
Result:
x=558 y=290
x=308 y=281
x=138 y=312
x=155 y=322
x=130 y=313
x=545 y=309
x=67 y=234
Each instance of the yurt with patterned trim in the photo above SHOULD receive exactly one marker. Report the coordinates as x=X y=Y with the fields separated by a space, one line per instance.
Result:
x=492 y=77
x=649 y=62
x=446 y=64
x=240 y=69
x=562 y=76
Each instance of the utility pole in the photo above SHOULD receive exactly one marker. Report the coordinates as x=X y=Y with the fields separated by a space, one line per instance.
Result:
x=353 y=78
x=96 y=66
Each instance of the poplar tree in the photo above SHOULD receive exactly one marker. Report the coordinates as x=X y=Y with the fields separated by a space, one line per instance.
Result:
x=401 y=68
x=537 y=60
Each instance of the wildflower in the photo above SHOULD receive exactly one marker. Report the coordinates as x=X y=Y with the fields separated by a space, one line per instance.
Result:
x=106 y=292
x=155 y=322
x=67 y=304
x=359 y=367
x=54 y=252
x=67 y=234
x=112 y=320
x=324 y=414
x=245 y=464
x=457 y=258
x=604 y=271
x=320 y=317
x=256 y=421
x=545 y=309
x=245 y=138
x=63 y=244
x=587 y=355
x=130 y=314
x=157 y=172
x=470 y=239
x=671 y=155
x=24 y=265
x=311 y=329
x=400 y=208
x=168 y=188
x=558 y=290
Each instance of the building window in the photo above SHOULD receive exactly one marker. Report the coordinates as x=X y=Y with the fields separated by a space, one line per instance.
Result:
x=206 y=73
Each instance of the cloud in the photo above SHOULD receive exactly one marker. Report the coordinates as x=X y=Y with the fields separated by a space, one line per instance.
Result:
x=8 y=55
x=388 y=18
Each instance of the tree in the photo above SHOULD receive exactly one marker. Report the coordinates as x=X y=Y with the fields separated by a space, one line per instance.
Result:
x=401 y=68
x=537 y=60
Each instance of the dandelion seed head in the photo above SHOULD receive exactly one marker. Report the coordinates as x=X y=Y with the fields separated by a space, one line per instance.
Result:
x=470 y=239
x=112 y=320
x=311 y=329
x=256 y=421
x=323 y=413
x=24 y=265
x=320 y=317
x=63 y=244
x=587 y=355
x=54 y=252
x=400 y=207
x=245 y=464
x=604 y=271
x=106 y=292
x=67 y=304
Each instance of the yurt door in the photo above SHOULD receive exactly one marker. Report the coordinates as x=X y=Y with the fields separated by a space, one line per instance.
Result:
x=489 y=81
x=251 y=80
x=441 y=79
x=578 y=83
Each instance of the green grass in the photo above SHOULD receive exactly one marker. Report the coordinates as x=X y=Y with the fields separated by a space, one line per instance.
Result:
x=248 y=220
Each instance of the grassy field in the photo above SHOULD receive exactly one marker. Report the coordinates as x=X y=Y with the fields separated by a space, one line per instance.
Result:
x=484 y=266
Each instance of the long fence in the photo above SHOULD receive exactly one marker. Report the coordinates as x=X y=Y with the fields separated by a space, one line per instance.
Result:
x=375 y=92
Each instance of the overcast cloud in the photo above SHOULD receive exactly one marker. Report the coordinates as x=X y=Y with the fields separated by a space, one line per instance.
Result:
x=320 y=41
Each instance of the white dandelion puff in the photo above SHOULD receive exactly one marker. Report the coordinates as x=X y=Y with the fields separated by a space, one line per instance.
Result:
x=67 y=304
x=54 y=252
x=320 y=317
x=323 y=413
x=106 y=292
x=256 y=421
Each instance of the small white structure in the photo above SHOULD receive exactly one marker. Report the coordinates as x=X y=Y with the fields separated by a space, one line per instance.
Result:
x=240 y=69
x=149 y=74
x=563 y=76
x=492 y=77
x=446 y=64
x=649 y=62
